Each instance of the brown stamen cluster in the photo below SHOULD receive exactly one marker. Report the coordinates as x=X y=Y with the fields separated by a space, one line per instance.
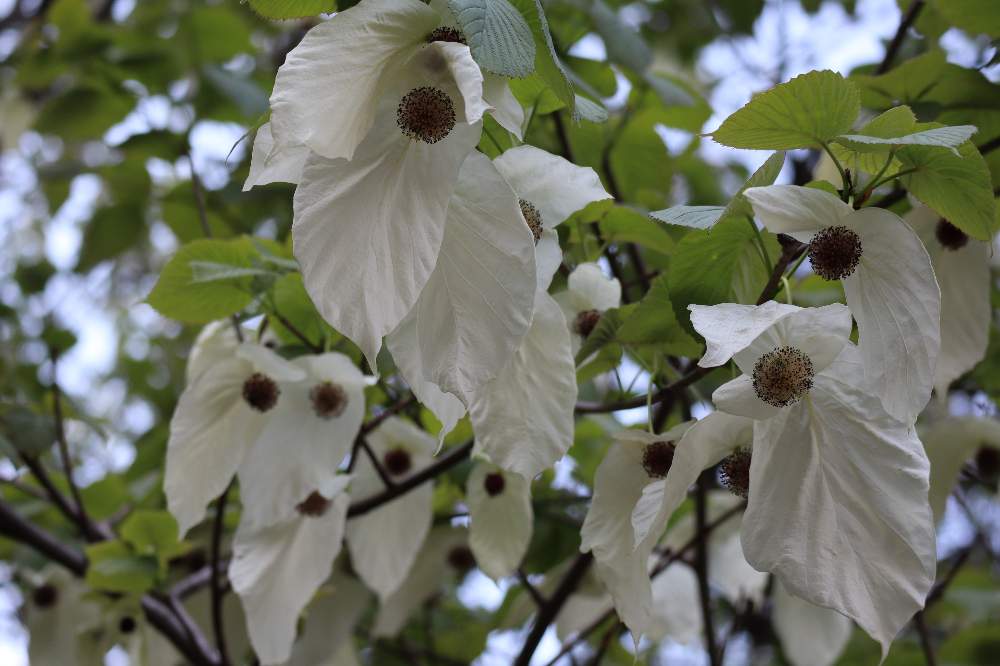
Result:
x=657 y=458
x=126 y=625
x=782 y=376
x=734 y=472
x=329 y=400
x=951 y=237
x=835 y=252
x=397 y=461
x=313 y=506
x=426 y=114
x=533 y=217
x=260 y=392
x=988 y=462
x=45 y=596
x=446 y=34
x=461 y=559
x=586 y=322
x=494 y=484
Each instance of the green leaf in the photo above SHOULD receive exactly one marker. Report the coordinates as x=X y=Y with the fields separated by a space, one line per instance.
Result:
x=106 y=497
x=942 y=137
x=591 y=111
x=653 y=322
x=706 y=217
x=547 y=64
x=624 y=225
x=112 y=230
x=30 y=432
x=113 y=567
x=976 y=17
x=624 y=45
x=248 y=97
x=218 y=32
x=180 y=296
x=83 y=112
x=958 y=187
x=153 y=533
x=292 y=302
x=291 y=9
x=500 y=39
x=710 y=268
x=805 y=112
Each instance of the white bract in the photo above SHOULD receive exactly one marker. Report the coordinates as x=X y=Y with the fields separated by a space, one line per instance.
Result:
x=962 y=267
x=220 y=414
x=635 y=461
x=330 y=621
x=307 y=436
x=477 y=304
x=837 y=506
x=54 y=612
x=375 y=175
x=501 y=518
x=590 y=293
x=810 y=635
x=384 y=542
x=277 y=568
x=442 y=559
x=888 y=280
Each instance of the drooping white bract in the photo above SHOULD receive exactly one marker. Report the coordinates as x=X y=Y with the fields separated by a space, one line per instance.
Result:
x=330 y=621
x=635 y=460
x=477 y=304
x=837 y=506
x=219 y=415
x=962 y=267
x=501 y=518
x=590 y=293
x=888 y=280
x=551 y=188
x=367 y=231
x=216 y=341
x=810 y=635
x=676 y=609
x=54 y=612
x=949 y=443
x=442 y=559
x=523 y=419
x=384 y=542
x=307 y=436
x=327 y=93
x=276 y=569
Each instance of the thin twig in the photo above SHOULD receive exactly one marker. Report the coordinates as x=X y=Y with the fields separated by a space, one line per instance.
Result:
x=218 y=527
x=443 y=464
x=701 y=566
x=897 y=39
x=548 y=612
x=376 y=463
x=309 y=344
x=67 y=463
x=925 y=638
x=532 y=590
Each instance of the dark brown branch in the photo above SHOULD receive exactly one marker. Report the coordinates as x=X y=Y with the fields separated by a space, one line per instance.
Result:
x=218 y=592
x=89 y=530
x=376 y=463
x=533 y=592
x=547 y=613
x=309 y=344
x=897 y=39
x=63 y=445
x=443 y=464
x=701 y=566
x=925 y=638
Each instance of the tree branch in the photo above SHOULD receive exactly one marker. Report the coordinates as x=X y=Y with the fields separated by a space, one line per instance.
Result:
x=925 y=638
x=63 y=445
x=897 y=40
x=218 y=527
x=548 y=612
x=701 y=567
x=443 y=464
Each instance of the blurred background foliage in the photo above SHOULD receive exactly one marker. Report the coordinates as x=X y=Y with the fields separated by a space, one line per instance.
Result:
x=124 y=122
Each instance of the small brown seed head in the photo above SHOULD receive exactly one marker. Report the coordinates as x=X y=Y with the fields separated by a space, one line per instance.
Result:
x=260 y=392
x=461 y=559
x=586 y=322
x=835 y=252
x=494 y=484
x=329 y=400
x=313 y=506
x=126 y=625
x=426 y=114
x=782 y=376
x=397 y=461
x=951 y=237
x=657 y=458
x=446 y=34
x=45 y=596
x=734 y=472
x=533 y=217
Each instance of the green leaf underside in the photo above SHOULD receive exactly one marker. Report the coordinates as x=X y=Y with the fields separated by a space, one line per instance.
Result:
x=805 y=112
x=706 y=217
x=500 y=39
x=547 y=64
x=942 y=137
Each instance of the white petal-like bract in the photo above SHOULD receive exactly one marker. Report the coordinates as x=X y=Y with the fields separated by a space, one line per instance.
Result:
x=500 y=518
x=797 y=211
x=270 y=163
x=810 y=635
